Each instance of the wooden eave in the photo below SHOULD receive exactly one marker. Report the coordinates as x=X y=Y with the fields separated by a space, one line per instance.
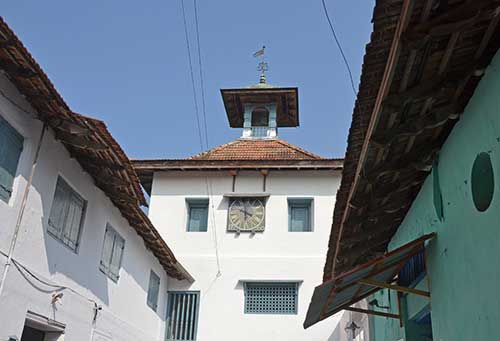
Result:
x=146 y=168
x=421 y=67
x=87 y=140
x=287 y=100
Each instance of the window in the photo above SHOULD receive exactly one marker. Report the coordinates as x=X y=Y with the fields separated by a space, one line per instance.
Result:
x=413 y=271
x=271 y=298
x=112 y=253
x=197 y=215
x=153 y=290
x=182 y=315
x=11 y=145
x=299 y=215
x=260 y=117
x=66 y=215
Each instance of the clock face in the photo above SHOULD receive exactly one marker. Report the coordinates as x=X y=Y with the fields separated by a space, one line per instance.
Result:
x=246 y=214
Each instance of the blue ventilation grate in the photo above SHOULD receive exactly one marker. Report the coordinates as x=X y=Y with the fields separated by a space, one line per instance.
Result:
x=271 y=298
x=182 y=315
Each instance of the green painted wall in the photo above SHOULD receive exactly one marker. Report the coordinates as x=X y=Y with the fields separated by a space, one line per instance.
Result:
x=464 y=259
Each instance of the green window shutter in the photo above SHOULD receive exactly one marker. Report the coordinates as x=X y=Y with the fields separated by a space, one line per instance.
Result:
x=153 y=290
x=73 y=221
x=197 y=215
x=107 y=250
x=66 y=215
x=116 y=257
x=11 y=146
x=299 y=215
x=59 y=210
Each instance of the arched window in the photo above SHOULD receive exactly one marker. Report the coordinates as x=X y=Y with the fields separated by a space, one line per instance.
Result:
x=260 y=117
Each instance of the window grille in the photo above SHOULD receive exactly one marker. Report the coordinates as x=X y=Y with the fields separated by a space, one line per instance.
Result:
x=182 y=315
x=11 y=146
x=271 y=298
x=66 y=215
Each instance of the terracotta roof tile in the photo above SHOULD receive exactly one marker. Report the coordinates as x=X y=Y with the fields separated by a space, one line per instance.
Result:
x=256 y=149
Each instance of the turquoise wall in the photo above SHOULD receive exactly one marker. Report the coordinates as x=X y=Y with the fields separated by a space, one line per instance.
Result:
x=464 y=258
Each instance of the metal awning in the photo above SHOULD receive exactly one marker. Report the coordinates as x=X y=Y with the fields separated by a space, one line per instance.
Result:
x=350 y=287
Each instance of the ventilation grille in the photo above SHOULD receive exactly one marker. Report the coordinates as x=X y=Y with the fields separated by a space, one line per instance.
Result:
x=182 y=316
x=271 y=298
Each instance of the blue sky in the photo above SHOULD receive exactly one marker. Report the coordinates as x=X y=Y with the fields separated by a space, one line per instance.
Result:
x=125 y=62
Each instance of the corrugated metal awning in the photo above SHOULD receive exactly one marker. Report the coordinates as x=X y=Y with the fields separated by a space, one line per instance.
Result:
x=350 y=287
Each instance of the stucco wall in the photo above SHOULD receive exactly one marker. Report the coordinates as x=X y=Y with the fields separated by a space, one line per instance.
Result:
x=125 y=315
x=463 y=259
x=274 y=254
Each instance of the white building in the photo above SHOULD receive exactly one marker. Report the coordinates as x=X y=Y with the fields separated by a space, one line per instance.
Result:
x=250 y=220
x=85 y=263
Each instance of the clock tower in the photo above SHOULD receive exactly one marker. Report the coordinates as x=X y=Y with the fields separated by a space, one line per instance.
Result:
x=262 y=108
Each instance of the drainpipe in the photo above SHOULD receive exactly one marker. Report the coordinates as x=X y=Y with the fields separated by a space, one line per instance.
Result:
x=21 y=211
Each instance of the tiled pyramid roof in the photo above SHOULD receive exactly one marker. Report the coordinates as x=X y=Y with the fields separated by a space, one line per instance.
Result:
x=256 y=149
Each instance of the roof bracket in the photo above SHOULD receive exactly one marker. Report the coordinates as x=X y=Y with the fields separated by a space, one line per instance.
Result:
x=373 y=312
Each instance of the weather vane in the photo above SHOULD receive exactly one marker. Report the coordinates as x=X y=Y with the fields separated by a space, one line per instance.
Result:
x=262 y=67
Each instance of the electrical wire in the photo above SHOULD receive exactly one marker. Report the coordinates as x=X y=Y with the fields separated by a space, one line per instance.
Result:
x=202 y=83
x=208 y=183
x=339 y=46
x=195 y=97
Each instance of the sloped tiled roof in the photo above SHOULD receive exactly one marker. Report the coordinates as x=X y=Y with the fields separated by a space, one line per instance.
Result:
x=260 y=149
x=241 y=154
x=88 y=141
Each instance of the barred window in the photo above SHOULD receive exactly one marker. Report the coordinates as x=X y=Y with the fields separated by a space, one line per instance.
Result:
x=182 y=315
x=271 y=298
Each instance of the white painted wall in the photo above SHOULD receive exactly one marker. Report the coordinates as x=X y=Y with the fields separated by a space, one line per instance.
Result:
x=125 y=314
x=274 y=254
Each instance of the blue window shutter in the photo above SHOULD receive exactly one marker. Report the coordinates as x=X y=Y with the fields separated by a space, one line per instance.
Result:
x=11 y=146
x=299 y=215
x=300 y=218
x=197 y=215
x=182 y=315
x=153 y=290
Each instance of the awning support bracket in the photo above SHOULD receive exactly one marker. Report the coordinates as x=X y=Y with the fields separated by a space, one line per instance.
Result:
x=398 y=288
x=373 y=312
